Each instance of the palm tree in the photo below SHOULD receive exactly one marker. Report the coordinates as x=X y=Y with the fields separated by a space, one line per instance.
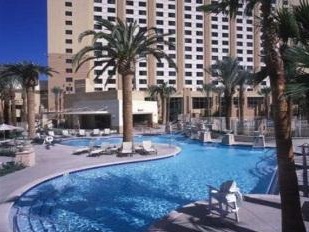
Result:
x=28 y=76
x=57 y=91
x=265 y=92
x=244 y=77
x=219 y=90
x=164 y=91
x=207 y=89
x=292 y=219
x=126 y=45
x=227 y=72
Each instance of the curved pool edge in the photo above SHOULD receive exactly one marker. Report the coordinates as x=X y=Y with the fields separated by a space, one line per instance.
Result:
x=6 y=207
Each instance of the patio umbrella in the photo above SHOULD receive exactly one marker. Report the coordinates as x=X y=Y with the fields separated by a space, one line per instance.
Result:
x=6 y=127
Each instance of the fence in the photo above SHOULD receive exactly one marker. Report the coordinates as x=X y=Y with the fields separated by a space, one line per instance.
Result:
x=251 y=126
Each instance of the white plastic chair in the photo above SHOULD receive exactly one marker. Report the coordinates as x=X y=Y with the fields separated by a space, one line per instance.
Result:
x=228 y=198
x=148 y=147
x=126 y=149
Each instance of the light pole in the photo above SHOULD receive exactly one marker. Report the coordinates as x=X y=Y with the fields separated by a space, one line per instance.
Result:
x=305 y=152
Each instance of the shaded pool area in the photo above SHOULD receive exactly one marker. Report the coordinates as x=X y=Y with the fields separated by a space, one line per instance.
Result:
x=131 y=197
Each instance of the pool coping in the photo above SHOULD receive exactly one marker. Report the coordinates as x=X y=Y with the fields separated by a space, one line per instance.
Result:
x=6 y=223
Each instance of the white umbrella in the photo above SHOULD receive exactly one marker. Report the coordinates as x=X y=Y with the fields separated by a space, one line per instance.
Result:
x=6 y=127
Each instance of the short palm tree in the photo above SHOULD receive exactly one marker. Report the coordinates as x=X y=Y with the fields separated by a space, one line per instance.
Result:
x=292 y=219
x=207 y=89
x=27 y=74
x=227 y=71
x=126 y=44
x=164 y=91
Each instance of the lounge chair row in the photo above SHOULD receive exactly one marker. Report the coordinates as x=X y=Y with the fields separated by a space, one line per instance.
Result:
x=127 y=149
x=82 y=132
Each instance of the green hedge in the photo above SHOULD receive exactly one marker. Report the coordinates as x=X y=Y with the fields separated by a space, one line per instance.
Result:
x=10 y=167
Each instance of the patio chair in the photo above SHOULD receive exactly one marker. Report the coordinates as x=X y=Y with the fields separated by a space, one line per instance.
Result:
x=65 y=133
x=228 y=197
x=96 y=132
x=106 y=131
x=126 y=149
x=104 y=148
x=51 y=133
x=147 y=147
x=81 y=132
x=82 y=150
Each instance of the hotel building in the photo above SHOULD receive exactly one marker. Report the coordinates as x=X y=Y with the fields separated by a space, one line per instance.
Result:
x=200 y=40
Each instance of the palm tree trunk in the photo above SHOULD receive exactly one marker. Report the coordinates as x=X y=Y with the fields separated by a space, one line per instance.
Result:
x=7 y=108
x=291 y=215
x=163 y=110
x=241 y=109
x=267 y=106
x=228 y=110
x=24 y=106
x=13 y=114
x=127 y=107
x=31 y=111
x=1 y=112
x=56 y=109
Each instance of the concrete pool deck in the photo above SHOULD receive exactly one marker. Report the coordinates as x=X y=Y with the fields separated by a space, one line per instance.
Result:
x=58 y=160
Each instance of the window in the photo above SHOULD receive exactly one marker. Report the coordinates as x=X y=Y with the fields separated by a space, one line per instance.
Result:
x=199 y=82
x=239 y=36
x=160 y=73
x=111 y=10
x=239 y=43
x=225 y=19
x=187 y=40
x=250 y=44
x=200 y=102
x=225 y=35
x=129 y=3
x=69 y=4
x=142 y=81
x=143 y=73
x=97 y=17
x=171 y=15
x=225 y=42
x=254 y=101
x=69 y=89
x=188 y=65
x=159 y=13
x=171 y=7
x=187 y=32
x=68 y=50
x=98 y=89
x=199 y=33
x=68 y=13
x=110 y=18
x=129 y=11
x=142 y=64
x=160 y=81
x=111 y=81
x=187 y=24
x=250 y=59
x=214 y=49
x=172 y=73
x=239 y=28
x=142 y=3
x=68 y=32
x=239 y=51
x=199 y=57
x=214 y=18
x=110 y=1
x=160 y=65
x=225 y=27
x=199 y=74
x=249 y=37
x=68 y=61
x=199 y=41
x=68 y=41
x=214 y=34
x=142 y=12
x=159 y=22
x=98 y=1
x=225 y=50
x=249 y=51
x=214 y=42
x=98 y=81
x=188 y=57
x=188 y=82
x=172 y=82
x=189 y=74
x=69 y=79
x=199 y=25
x=68 y=22
x=159 y=5
x=97 y=9
x=69 y=70
x=214 y=26
x=142 y=20
x=188 y=49
x=187 y=16
x=188 y=8
x=97 y=27
x=199 y=49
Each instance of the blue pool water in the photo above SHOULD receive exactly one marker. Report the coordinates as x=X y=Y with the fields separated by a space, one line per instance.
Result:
x=129 y=198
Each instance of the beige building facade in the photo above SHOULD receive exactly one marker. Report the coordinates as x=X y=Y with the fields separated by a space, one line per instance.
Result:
x=200 y=40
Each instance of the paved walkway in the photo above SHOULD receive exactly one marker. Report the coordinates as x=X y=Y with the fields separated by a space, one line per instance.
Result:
x=260 y=213
x=56 y=161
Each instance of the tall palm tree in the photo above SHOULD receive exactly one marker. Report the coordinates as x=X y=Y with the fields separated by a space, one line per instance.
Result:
x=125 y=45
x=266 y=92
x=164 y=91
x=57 y=93
x=219 y=90
x=207 y=89
x=244 y=77
x=290 y=205
x=227 y=71
x=28 y=75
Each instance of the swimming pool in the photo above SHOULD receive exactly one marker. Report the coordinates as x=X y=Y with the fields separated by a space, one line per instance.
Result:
x=130 y=197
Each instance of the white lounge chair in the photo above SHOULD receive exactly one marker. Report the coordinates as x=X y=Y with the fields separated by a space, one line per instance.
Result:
x=81 y=132
x=106 y=131
x=51 y=133
x=104 y=148
x=147 y=147
x=228 y=197
x=65 y=133
x=82 y=150
x=96 y=132
x=126 y=149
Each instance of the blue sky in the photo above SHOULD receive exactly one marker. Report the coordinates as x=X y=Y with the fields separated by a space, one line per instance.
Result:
x=23 y=33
